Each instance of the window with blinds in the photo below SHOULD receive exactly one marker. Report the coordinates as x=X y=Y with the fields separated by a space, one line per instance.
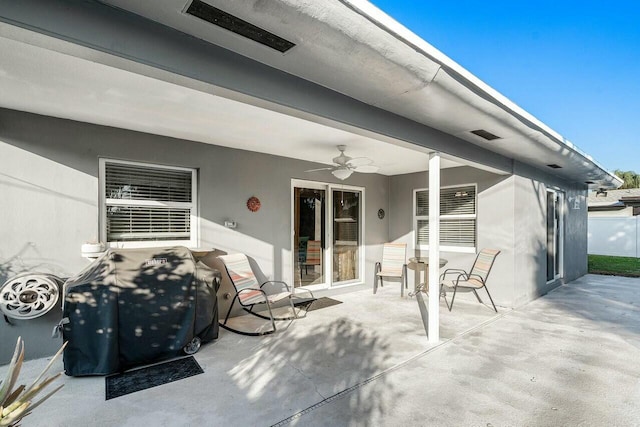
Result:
x=457 y=217
x=148 y=203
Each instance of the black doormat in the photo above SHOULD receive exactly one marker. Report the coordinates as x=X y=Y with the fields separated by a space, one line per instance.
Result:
x=140 y=379
x=323 y=302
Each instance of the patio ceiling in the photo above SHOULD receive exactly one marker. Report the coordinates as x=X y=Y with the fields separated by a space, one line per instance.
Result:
x=43 y=81
x=46 y=82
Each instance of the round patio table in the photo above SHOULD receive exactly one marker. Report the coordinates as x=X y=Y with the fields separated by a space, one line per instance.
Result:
x=420 y=264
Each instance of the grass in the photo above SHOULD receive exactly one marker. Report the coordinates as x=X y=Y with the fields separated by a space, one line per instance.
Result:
x=614 y=265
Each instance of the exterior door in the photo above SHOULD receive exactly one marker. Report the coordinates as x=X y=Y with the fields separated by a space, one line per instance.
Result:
x=347 y=239
x=554 y=235
x=327 y=234
x=309 y=236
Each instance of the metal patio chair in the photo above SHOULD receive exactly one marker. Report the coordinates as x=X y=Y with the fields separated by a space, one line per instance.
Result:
x=313 y=255
x=249 y=293
x=476 y=279
x=393 y=265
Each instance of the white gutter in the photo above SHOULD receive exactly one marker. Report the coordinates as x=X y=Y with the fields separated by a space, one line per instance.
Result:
x=383 y=21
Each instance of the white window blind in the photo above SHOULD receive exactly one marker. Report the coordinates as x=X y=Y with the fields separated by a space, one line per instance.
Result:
x=457 y=217
x=145 y=203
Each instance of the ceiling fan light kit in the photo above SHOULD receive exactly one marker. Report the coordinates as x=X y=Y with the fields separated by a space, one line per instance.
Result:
x=344 y=166
x=342 y=173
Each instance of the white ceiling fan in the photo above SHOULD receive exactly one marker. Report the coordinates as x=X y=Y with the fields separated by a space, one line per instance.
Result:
x=344 y=165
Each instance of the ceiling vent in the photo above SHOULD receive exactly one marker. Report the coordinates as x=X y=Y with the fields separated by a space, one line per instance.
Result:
x=236 y=25
x=484 y=134
x=554 y=166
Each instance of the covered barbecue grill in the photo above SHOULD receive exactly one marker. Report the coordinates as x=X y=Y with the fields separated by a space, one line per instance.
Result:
x=135 y=306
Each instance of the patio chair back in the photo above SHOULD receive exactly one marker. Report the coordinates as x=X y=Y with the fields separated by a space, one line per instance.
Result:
x=393 y=259
x=484 y=262
x=242 y=276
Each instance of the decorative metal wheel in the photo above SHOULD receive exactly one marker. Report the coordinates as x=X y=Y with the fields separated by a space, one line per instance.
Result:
x=29 y=296
x=193 y=346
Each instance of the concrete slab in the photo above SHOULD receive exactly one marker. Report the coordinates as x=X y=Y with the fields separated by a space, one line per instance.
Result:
x=567 y=358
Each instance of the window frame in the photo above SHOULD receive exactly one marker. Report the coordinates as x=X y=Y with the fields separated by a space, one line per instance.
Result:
x=104 y=202
x=445 y=248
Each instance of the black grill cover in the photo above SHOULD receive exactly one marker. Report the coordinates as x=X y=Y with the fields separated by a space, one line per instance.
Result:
x=135 y=306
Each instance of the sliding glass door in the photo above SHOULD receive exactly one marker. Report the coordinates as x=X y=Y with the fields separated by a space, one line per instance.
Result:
x=555 y=231
x=309 y=233
x=346 y=235
x=327 y=234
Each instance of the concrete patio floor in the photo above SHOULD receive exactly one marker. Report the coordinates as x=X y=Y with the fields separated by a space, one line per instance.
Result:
x=569 y=358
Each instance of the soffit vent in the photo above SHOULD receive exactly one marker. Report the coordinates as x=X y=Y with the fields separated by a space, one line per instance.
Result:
x=236 y=25
x=484 y=134
x=554 y=166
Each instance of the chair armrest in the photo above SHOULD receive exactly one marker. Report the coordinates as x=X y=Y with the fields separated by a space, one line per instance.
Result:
x=453 y=271
x=378 y=267
x=297 y=291
x=277 y=281
x=469 y=276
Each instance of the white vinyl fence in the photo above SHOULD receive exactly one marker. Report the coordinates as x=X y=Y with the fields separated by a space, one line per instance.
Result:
x=614 y=236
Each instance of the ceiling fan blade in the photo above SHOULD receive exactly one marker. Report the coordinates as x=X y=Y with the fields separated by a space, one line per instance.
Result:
x=320 y=169
x=359 y=161
x=366 y=169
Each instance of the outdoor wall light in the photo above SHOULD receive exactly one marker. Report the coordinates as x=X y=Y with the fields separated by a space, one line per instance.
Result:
x=342 y=173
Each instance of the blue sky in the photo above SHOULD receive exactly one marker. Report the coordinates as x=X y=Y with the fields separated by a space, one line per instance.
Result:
x=573 y=65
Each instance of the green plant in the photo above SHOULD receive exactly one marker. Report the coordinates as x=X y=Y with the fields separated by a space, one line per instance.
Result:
x=16 y=403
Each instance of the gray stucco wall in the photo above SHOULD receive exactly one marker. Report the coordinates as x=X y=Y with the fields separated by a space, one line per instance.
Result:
x=511 y=217
x=530 y=205
x=49 y=186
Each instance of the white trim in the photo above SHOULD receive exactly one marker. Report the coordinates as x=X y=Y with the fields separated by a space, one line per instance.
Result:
x=443 y=248
x=453 y=249
x=151 y=203
x=433 y=326
x=103 y=201
x=104 y=160
x=102 y=211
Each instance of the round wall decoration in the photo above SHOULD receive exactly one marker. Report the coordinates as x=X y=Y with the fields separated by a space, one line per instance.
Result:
x=253 y=204
x=380 y=213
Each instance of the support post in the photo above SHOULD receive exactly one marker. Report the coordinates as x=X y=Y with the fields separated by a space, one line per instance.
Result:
x=434 y=248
